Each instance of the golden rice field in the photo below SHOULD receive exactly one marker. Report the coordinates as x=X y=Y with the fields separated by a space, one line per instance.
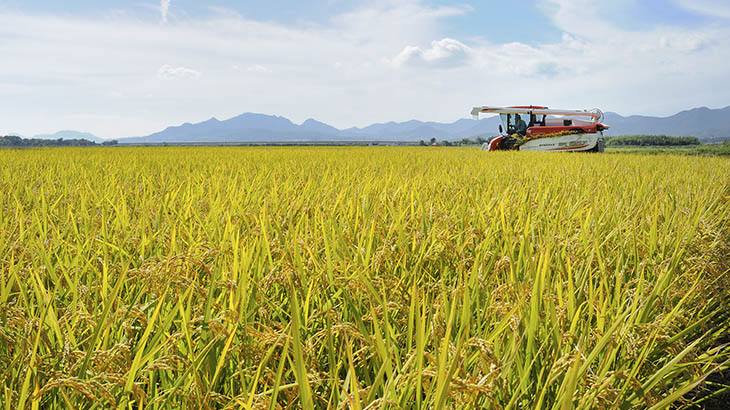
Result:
x=358 y=278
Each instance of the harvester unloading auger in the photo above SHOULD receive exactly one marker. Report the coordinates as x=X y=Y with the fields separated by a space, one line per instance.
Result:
x=536 y=128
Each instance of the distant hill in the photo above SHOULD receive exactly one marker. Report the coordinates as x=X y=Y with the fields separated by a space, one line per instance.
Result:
x=70 y=135
x=415 y=130
x=703 y=123
x=252 y=127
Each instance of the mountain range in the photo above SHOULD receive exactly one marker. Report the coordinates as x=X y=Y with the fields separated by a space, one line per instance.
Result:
x=704 y=123
x=250 y=127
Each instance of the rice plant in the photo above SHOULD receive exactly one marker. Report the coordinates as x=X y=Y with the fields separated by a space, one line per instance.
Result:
x=358 y=278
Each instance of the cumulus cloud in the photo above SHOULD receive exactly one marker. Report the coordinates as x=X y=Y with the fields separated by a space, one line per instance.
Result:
x=257 y=69
x=164 y=9
x=686 y=43
x=446 y=52
x=169 y=72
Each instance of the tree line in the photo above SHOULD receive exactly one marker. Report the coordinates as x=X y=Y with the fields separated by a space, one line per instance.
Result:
x=651 y=140
x=447 y=143
x=15 y=141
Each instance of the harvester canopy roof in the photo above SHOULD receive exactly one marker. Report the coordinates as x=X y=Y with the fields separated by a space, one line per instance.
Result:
x=596 y=114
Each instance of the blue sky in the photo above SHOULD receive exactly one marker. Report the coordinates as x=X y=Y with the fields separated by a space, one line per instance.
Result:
x=121 y=68
x=497 y=20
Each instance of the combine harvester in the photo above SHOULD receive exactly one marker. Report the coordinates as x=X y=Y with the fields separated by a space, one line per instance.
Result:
x=535 y=128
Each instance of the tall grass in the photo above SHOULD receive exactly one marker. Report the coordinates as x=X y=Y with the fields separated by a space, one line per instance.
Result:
x=360 y=278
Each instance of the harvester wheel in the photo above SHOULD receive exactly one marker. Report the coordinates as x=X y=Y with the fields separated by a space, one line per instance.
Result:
x=509 y=143
x=600 y=147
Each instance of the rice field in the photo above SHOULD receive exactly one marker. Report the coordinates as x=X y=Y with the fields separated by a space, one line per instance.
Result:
x=275 y=278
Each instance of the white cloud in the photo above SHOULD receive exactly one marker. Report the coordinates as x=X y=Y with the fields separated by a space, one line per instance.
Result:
x=164 y=9
x=169 y=72
x=399 y=20
x=687 y=43
x=443 y=53
x=258 y=68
